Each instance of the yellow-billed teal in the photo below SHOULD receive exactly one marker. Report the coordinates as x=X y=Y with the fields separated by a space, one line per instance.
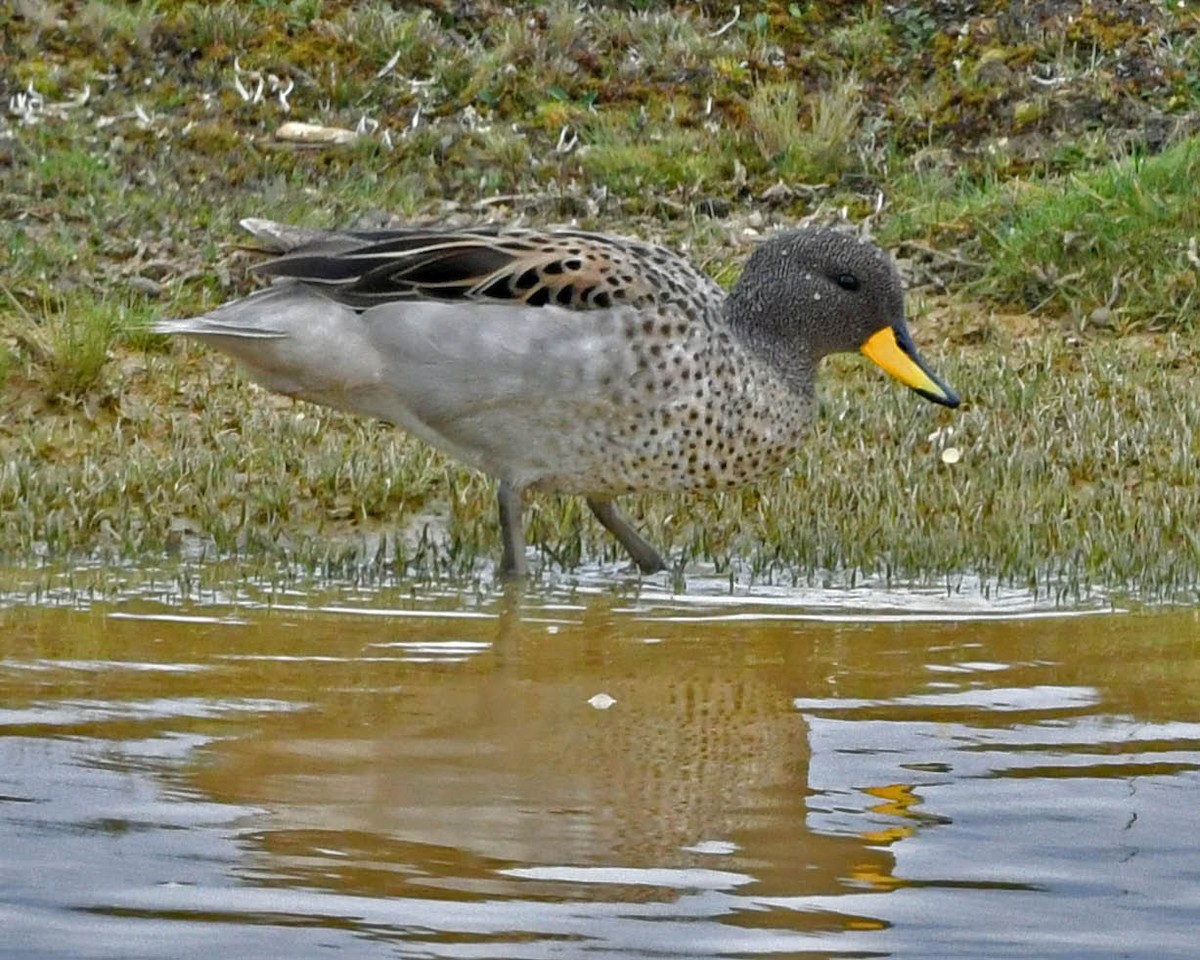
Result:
x=568 y=361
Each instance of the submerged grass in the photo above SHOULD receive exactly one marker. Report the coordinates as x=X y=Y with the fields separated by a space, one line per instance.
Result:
x=1032 y=163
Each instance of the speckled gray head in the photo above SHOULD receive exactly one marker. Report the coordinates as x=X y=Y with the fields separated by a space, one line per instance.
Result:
x=808 y=293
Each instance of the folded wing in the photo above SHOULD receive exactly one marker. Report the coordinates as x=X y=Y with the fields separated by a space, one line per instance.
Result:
x=570 y=269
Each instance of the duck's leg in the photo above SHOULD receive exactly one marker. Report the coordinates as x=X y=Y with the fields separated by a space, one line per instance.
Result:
x=645 y=556
x=512 y=532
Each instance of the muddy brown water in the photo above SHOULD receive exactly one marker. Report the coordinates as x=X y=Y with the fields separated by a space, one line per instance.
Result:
x=593 y=770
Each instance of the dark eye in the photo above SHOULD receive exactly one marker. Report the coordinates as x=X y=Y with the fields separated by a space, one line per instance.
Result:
x=847 y=281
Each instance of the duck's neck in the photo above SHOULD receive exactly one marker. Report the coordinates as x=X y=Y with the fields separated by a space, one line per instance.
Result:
x=788 y=362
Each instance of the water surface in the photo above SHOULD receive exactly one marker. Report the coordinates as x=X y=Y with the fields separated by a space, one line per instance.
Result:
x=593 y=769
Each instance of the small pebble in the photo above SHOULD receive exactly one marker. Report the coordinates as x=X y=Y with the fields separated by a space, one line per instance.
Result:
x=151 y=288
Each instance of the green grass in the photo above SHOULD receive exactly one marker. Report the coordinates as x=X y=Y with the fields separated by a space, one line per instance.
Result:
x=1113 y=246
x=1004 y=196
x=816 y=149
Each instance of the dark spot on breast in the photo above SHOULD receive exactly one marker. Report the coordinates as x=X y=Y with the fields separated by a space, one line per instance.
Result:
x=554 y=267
x=601 y=298
x=528 y=280
x=539 y=297
x=565 y=295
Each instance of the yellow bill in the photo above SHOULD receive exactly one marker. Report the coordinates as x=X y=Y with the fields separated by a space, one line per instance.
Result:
x=893 y=350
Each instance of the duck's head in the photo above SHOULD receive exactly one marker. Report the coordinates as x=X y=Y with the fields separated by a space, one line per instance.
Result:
x=812 y=292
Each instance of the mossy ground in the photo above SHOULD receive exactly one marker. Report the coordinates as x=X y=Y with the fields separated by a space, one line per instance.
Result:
x=1032 y=165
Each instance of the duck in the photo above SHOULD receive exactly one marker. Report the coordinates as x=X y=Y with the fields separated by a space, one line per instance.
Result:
x=567 y=361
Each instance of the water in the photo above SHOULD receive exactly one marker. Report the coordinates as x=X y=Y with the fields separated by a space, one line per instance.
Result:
x=590 y=770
